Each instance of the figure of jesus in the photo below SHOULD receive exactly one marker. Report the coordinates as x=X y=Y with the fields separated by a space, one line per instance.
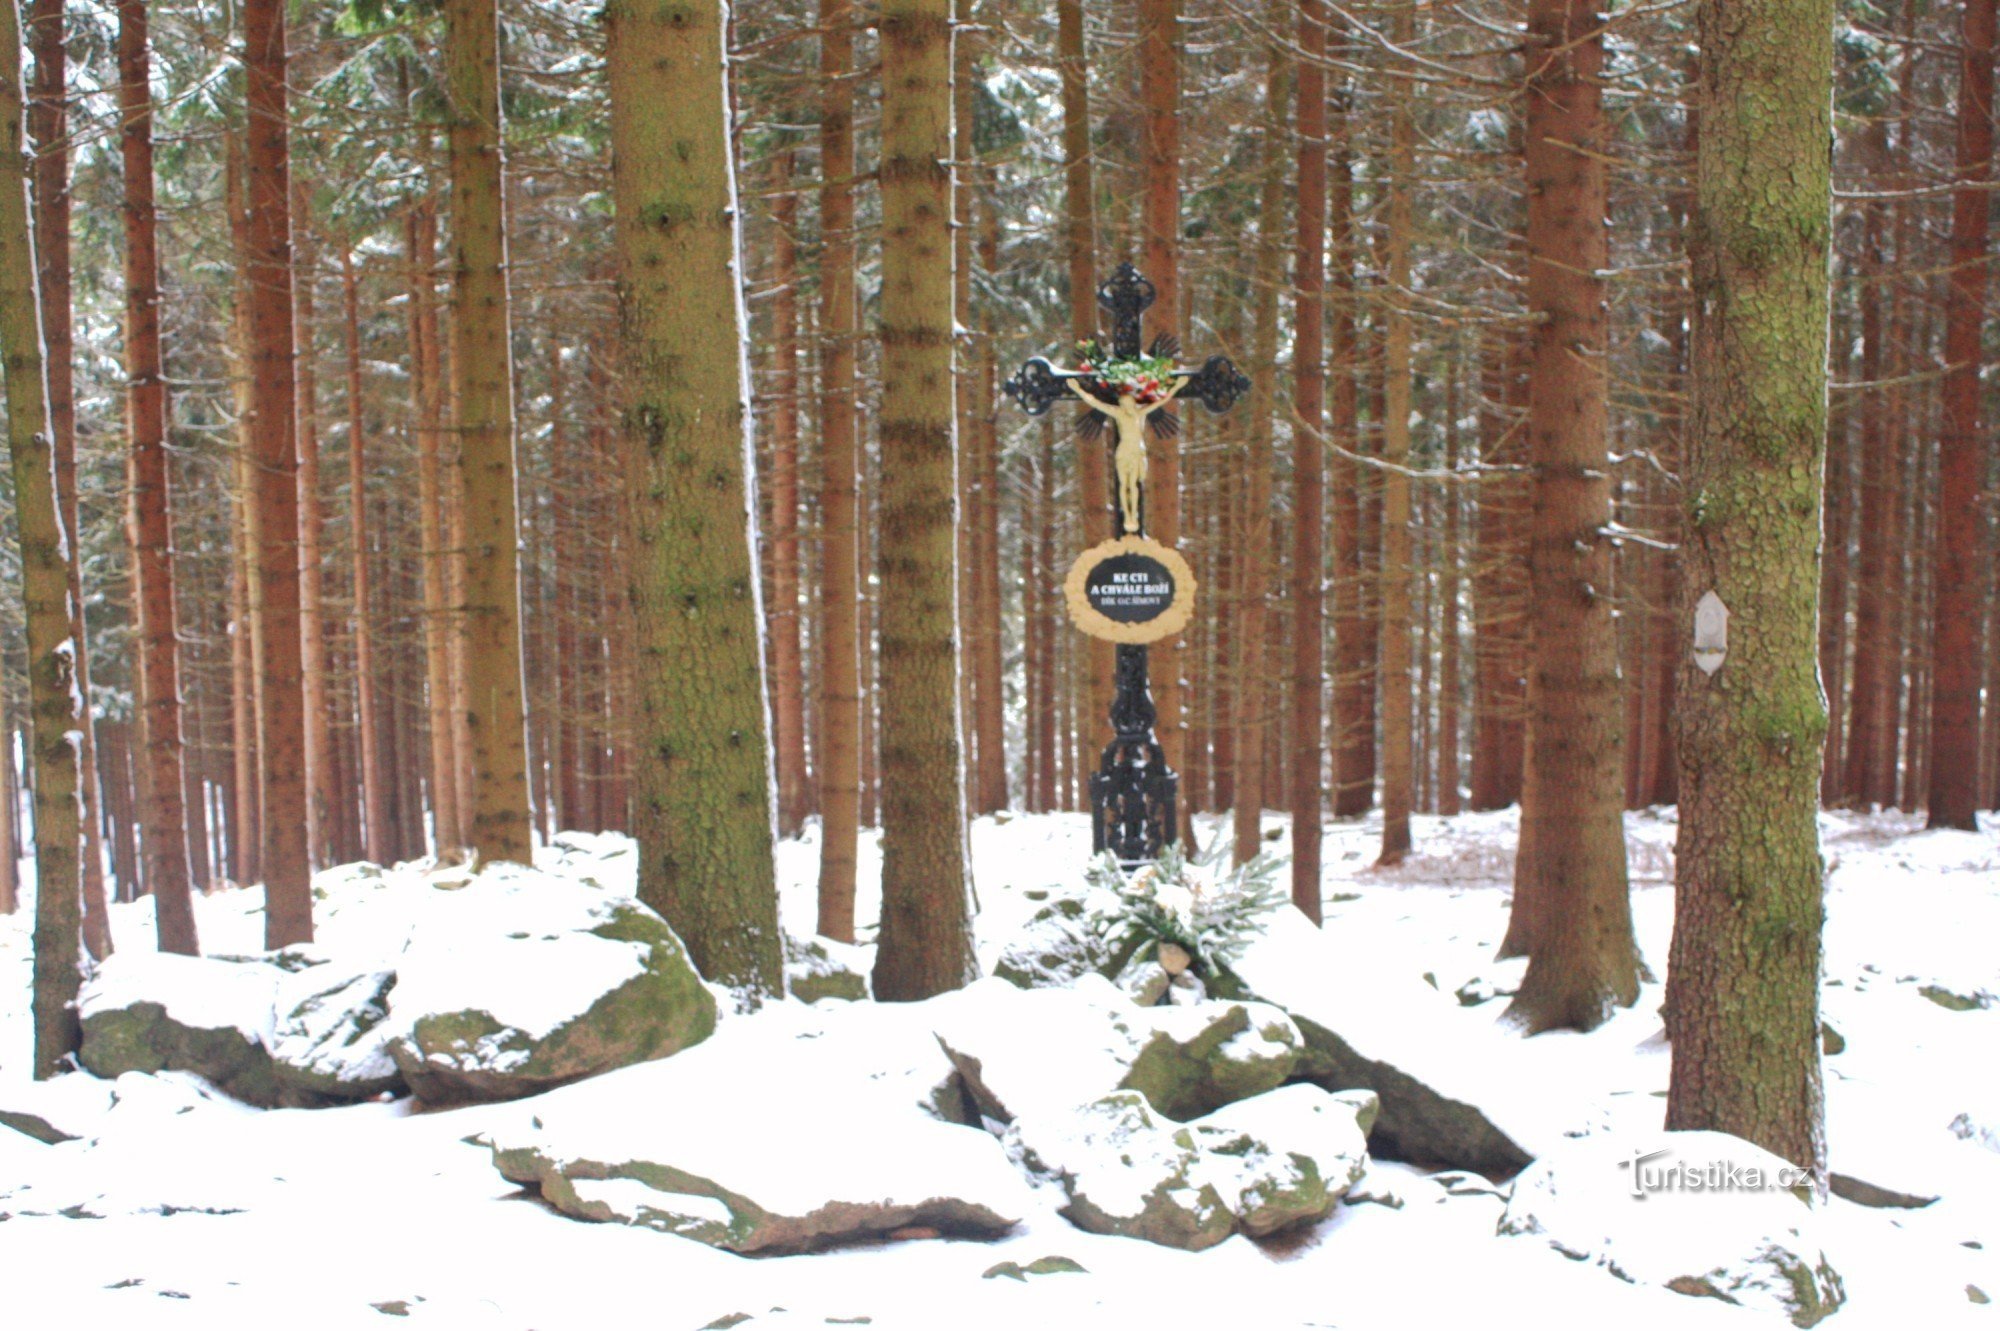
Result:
x=1129 y=458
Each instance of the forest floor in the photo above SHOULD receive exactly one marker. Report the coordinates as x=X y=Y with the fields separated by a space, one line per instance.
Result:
x=193 y=1211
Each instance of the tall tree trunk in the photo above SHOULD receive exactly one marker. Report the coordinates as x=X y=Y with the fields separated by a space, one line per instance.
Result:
x=1448 y=586
x=1398 y=772
x=1160 y=95
x=1309 y=467
x=788 y=715
x=287 y=866
x=1572 y=900
x=1742 y=1006
x=1254 y=724
x=48 y=133
x=926 y=935
x=374 y=802
x=45 y=591
x=164 y=816
x=1353 y=769
x=1955 y=656
x=987 y=656
x=10 y=807
x=483 y=389
x=1080 y=254
x=448 y=821
x=321 y=795
x=839 y=680
x=702 y=812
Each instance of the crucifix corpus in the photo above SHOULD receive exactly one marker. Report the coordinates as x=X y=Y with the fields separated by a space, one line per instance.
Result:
x=1131 y=590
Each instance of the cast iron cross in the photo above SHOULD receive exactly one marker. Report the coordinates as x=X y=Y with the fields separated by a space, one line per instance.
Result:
x=1134 y=794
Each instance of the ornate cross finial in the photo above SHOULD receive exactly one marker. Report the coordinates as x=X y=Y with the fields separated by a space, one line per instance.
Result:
x=1126 y=297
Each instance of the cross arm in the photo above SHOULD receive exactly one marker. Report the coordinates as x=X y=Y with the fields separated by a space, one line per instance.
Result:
x=1216 y=385
x=1038 y=385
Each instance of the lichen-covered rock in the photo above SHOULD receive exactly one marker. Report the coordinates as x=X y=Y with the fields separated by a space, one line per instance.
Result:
x=817 y=968
x=516 y=993
x=1708 y=1215
x=331 y=1037
x=1059 y=1048
x=158 y=1011
x=1256 y=1167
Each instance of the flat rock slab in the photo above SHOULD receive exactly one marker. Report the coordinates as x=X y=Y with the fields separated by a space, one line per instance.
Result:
x=796 y=1137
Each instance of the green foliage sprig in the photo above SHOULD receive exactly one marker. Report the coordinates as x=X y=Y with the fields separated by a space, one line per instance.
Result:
x=1211 y=913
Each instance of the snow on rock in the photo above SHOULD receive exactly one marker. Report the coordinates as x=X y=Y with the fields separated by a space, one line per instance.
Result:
x=802 y=1130
x=1448 y=1091
x=1020 y=1051
x=520 y=981
x=61 y=1109
x=1706 y=1216
x=331 y=1036
x=212 y=1016
x=1256 y=1166
x=821 y=967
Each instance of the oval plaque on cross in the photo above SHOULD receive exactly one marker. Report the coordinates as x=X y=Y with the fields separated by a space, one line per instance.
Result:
x=1131 y=590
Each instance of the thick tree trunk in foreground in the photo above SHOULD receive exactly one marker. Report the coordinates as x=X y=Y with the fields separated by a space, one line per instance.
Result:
x=164 y=814
x=48 y=134
x=926 y=935
x=483 y=388
x=1570 y=886
x=1743 y=982
x=839 y=768
x=1954 y=757
x=287 y=867
x=52 y=696
x=701 y=776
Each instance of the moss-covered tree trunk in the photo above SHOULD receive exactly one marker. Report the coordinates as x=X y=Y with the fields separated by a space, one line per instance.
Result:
x=1955 y=622
x=1570 y=886
x=839 y=769
x=275 y=483
x=702 y=810
x=52 y=696
x=164 y=813
x=926 y=934
x=483 y=382
x=1743 y=983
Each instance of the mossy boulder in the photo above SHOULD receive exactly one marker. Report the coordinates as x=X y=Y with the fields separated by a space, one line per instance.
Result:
x=1064 y=941
x=160 y=1012
x=503 y=1014
x=817 y=968
x=1257 y=1167
x=1058 y=1048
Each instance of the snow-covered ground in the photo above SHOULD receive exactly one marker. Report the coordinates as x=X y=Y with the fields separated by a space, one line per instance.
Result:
x=190 y=1210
